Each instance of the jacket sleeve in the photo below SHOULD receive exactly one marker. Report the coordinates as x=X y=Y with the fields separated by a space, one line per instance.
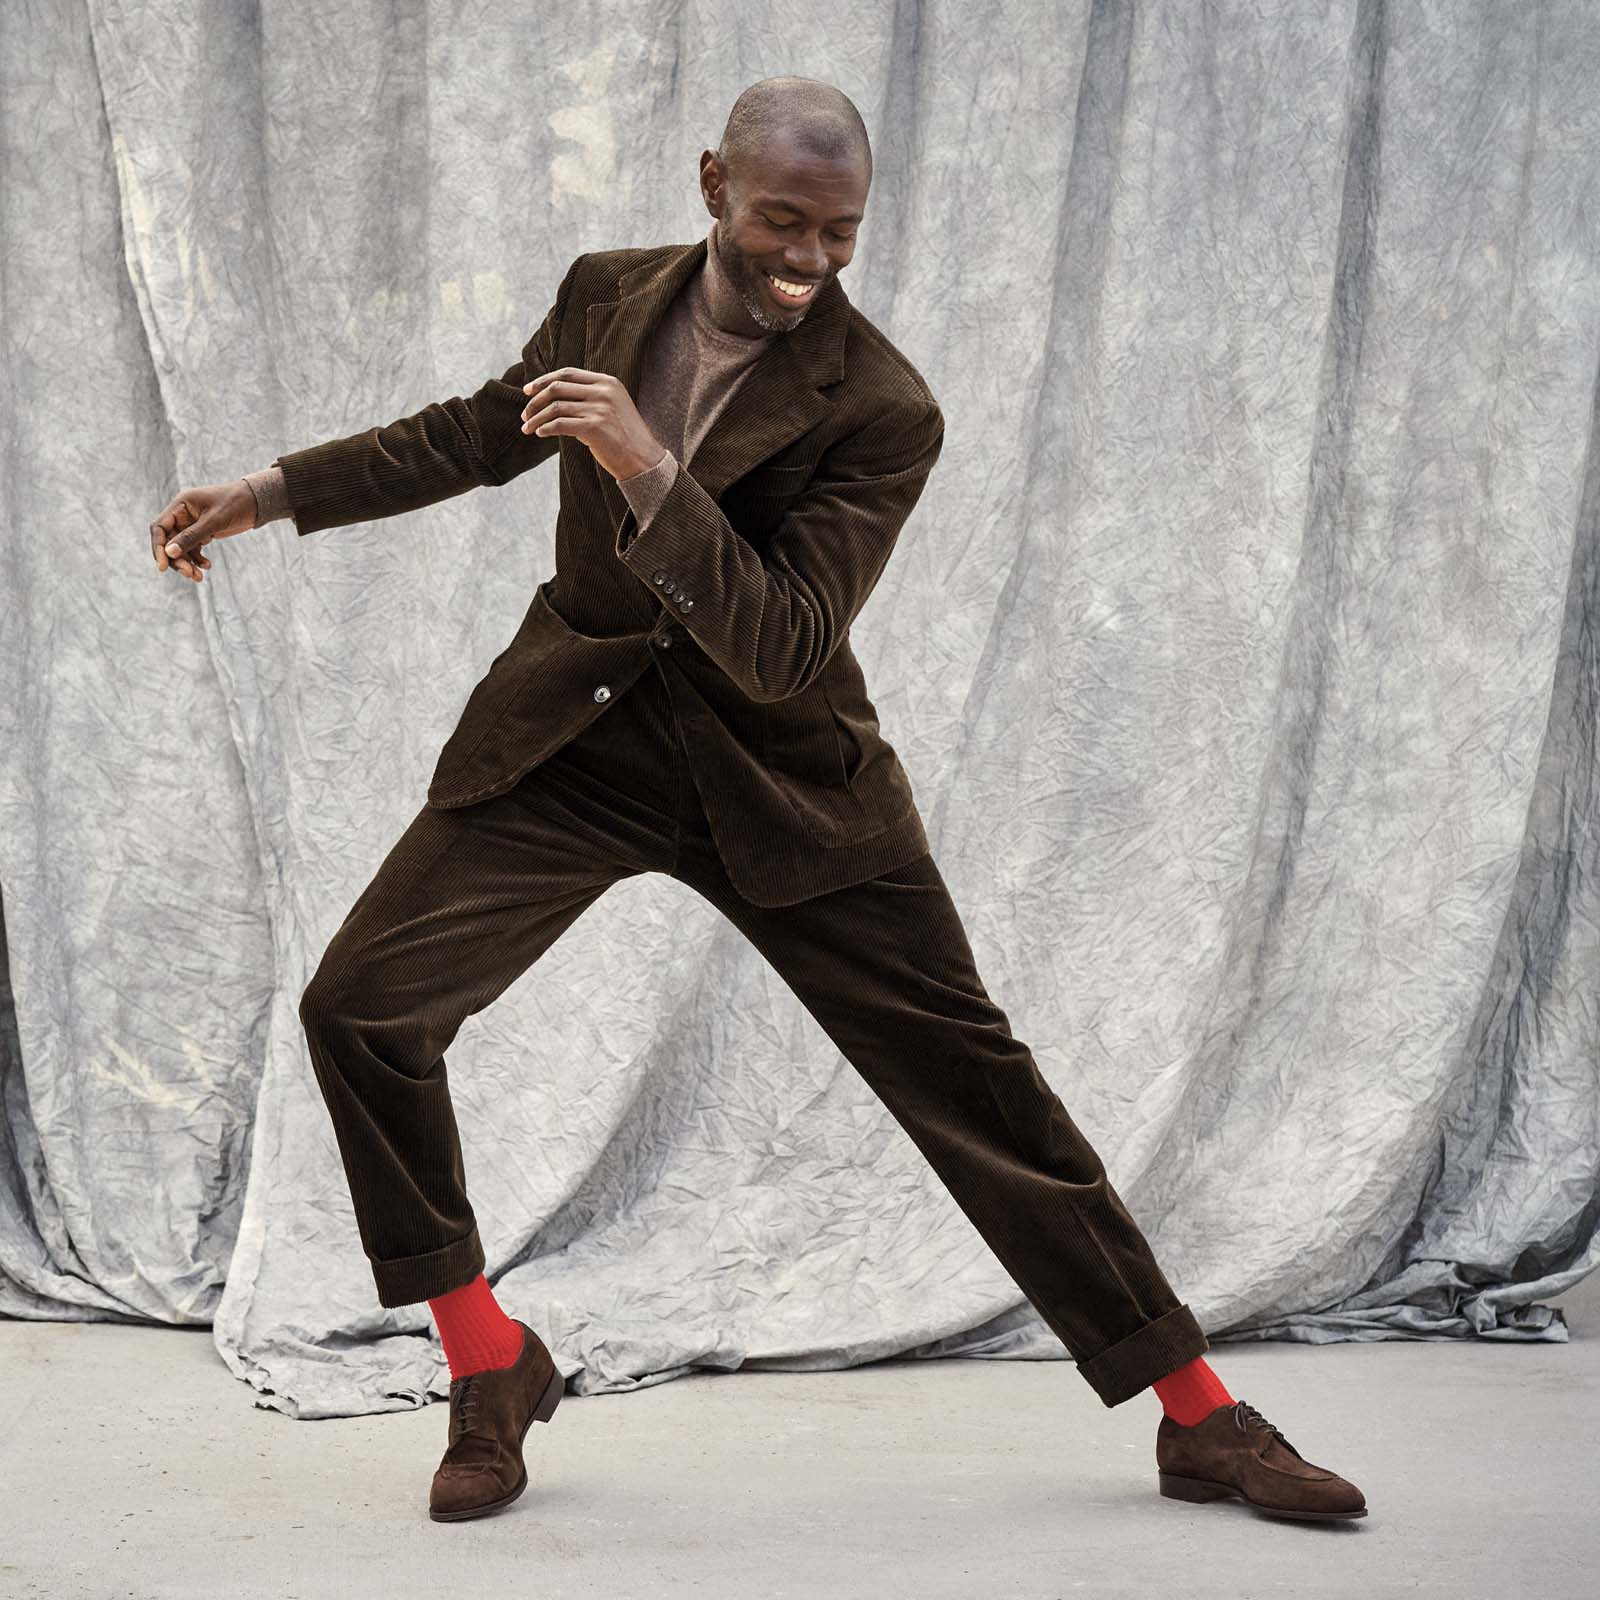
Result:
x=444 y=449
x=771 y=622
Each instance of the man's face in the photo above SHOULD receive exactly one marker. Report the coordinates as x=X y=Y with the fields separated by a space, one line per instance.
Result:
x=791 y=215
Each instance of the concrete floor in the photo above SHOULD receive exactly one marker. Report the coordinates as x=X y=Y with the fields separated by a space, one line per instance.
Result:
x=132 y=1464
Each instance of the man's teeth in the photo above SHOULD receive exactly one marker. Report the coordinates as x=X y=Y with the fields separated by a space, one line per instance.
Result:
x=793 y=288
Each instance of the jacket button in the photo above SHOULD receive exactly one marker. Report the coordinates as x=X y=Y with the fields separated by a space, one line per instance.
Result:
x=659 y=576
x=688 y=605
x=603 y=692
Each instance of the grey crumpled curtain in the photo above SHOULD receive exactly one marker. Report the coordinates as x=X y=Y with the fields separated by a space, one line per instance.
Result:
x=1242 y=652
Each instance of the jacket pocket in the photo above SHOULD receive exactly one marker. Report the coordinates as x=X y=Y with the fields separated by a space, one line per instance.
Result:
x=542 y=628
x=808 y=761
x=765 y=481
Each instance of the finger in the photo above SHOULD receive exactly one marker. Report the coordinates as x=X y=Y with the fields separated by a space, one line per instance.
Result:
x=161 y=530
x=179 y=520
x=198 y=533
x=542 y=390
x=559 y=373
x=578 y=378
x=541 y=410
x=552 y=417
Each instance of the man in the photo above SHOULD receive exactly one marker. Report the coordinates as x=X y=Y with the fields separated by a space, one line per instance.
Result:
x=739 y=448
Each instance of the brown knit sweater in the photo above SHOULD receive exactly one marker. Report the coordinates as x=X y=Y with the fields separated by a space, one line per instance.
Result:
x=703 y=346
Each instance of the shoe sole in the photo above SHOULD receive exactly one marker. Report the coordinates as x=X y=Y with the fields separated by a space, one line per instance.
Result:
x=1201 y=1490
x=542 y=1412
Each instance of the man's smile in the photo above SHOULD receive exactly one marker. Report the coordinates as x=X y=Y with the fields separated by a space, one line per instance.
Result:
x=789 y=292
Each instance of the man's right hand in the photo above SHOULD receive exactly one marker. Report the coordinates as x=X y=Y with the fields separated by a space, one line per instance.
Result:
x=194 y=519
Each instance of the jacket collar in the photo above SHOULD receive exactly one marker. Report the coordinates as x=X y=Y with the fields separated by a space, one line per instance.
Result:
x=779 y=397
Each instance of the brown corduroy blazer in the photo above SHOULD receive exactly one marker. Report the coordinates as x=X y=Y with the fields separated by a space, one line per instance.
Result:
x=763 y=552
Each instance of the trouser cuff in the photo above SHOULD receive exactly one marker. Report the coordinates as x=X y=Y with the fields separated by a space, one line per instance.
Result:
x=1121 y=1370
x=408 y=1279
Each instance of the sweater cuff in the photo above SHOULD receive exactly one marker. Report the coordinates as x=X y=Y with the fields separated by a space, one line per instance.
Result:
x=645 y=491
x=272 y=495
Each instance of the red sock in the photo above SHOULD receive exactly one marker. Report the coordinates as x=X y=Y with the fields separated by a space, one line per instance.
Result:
x=477 y=1335
x=1192 y=1393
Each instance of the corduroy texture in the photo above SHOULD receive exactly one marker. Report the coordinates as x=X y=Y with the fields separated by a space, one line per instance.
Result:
x=698 y=355
x=769 y=540
x=470 y=897
x=696 y=359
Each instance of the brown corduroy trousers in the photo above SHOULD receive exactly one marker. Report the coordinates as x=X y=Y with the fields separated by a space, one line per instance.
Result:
x=469 y=898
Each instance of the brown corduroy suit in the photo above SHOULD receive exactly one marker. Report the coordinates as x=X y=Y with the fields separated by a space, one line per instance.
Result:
x=685 y=699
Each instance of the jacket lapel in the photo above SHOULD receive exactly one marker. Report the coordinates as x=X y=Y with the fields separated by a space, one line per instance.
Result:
x=779 y=397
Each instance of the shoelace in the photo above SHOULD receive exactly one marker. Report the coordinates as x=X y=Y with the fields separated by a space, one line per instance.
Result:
x=1244 y=1412
x=463 y=1399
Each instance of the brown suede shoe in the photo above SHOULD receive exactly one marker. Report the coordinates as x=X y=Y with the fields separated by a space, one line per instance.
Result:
x=490 y=1414
x=1236 y=1453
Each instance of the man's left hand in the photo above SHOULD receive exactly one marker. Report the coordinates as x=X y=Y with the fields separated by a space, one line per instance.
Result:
x=595 y=408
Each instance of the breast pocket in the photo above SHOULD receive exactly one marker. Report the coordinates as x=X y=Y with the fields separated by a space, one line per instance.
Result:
x=756 y=504
x=769 y=488
x=778 y=480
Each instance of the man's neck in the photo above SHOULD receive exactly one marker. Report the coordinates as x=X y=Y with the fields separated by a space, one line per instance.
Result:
x=723 y=303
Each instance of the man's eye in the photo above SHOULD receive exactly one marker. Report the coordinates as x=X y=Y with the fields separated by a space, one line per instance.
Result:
x=843 y=238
